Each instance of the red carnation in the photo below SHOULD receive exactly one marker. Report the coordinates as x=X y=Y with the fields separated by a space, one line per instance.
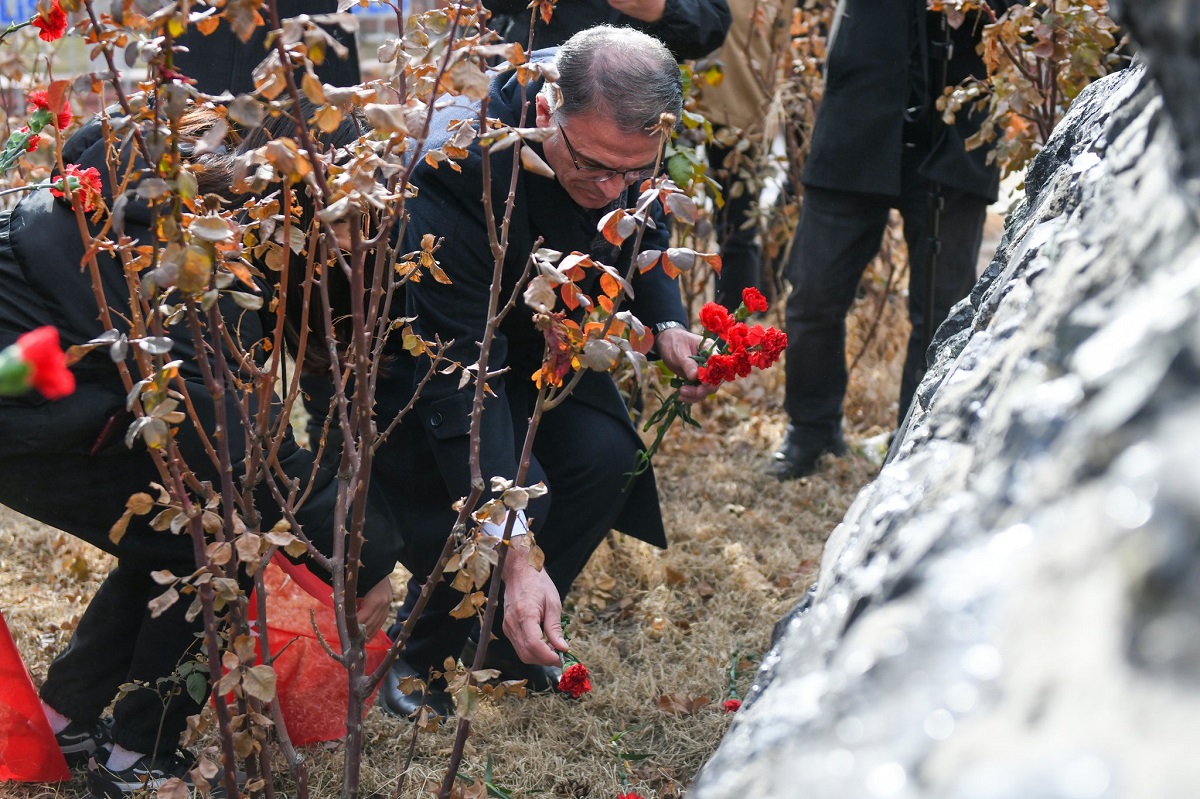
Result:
x=52 y=26
x=718 y=369
x=774 y=343
x=741 y=363
x=39 y=99
x=715 y=318
x=735 y=336
x=733 y=705
x=84 y=181
x=39 y=349
x=574 y=681
x=754 y=301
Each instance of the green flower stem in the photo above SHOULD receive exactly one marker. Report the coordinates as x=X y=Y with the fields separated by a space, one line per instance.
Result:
x=13 y=27
x=733 y=670
x=18 y=141
x=670 y=410
x=33 y=187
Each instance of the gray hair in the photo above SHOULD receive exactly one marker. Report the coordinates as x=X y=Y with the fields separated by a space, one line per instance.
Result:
x=622 y=73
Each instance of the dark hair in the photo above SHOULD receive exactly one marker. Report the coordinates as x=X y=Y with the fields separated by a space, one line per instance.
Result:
x=625 y=74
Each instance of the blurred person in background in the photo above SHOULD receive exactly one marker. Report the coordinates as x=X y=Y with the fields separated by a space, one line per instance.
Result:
x=736 y=106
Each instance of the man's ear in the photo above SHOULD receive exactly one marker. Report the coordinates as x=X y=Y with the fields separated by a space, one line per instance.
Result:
x=545 y=118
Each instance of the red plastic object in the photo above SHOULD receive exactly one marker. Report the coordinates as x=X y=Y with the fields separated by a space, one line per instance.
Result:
x=312 y=686
x=28 y=751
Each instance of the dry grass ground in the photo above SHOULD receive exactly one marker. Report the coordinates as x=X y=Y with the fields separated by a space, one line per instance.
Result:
x=648 y=623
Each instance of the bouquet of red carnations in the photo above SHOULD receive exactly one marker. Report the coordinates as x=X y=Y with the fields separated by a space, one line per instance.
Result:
x=730 y=349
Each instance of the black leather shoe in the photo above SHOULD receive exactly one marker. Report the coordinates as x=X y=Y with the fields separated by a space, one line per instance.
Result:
x=538 y=679
x=405 y=705
x=799 y=458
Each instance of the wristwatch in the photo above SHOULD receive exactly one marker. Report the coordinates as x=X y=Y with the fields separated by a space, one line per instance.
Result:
x=661 y=326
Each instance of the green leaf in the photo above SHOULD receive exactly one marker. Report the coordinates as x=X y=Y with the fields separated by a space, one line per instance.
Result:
x=197 y=687
x=496 y=791
x=680 y=169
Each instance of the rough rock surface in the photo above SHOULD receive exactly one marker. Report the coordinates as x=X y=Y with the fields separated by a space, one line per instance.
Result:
x=1012 y=609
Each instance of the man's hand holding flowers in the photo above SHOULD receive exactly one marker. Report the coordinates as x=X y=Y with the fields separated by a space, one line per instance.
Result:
x=729 y=349
x=678 y=348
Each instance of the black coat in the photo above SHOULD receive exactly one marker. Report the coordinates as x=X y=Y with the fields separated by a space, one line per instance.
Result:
x=449 y=205
x=870 y=81
x=80 y=438
x=689 y=28
x=221 y=61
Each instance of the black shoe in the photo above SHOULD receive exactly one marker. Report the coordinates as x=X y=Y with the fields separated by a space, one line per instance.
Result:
x=406 y=705
x=78 y=741
x=538 y=678
x=144 y=777
x=798 y=458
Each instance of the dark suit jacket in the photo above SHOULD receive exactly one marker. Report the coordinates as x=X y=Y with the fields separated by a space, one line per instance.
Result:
x=449 y=205
x=689 y=28
x=859 y=132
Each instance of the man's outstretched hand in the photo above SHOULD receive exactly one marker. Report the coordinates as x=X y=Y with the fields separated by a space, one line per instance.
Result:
x=375 y=607
x=532 y=610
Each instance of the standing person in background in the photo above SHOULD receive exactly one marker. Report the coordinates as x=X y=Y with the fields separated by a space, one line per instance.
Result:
x=689 y=28
x=878 y=144
x=736 y=106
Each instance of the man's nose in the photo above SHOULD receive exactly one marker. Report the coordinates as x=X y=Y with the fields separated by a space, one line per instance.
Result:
x=614 y=187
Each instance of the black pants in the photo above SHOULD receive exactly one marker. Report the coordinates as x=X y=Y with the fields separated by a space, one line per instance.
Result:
x=741 y=256
x=839 y=233
x=47 y=471
x=118 y=642
x=582 y=454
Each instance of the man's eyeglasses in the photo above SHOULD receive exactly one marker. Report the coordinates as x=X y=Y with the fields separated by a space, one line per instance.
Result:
x=600 y=174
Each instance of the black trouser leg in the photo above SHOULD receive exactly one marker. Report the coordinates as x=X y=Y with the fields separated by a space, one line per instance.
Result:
x=118 y=642
x=961 y=233
x=85 y=676
x=839 y=233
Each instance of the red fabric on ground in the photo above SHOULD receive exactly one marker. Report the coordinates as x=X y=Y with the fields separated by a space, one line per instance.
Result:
x=28 y=751
x=311 y=685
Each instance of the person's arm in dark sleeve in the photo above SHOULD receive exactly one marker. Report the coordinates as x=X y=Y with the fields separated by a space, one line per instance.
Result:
x=507 y=6
x=457 y=311
x=656 y=297
x=656 y=300
x=692 y=28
